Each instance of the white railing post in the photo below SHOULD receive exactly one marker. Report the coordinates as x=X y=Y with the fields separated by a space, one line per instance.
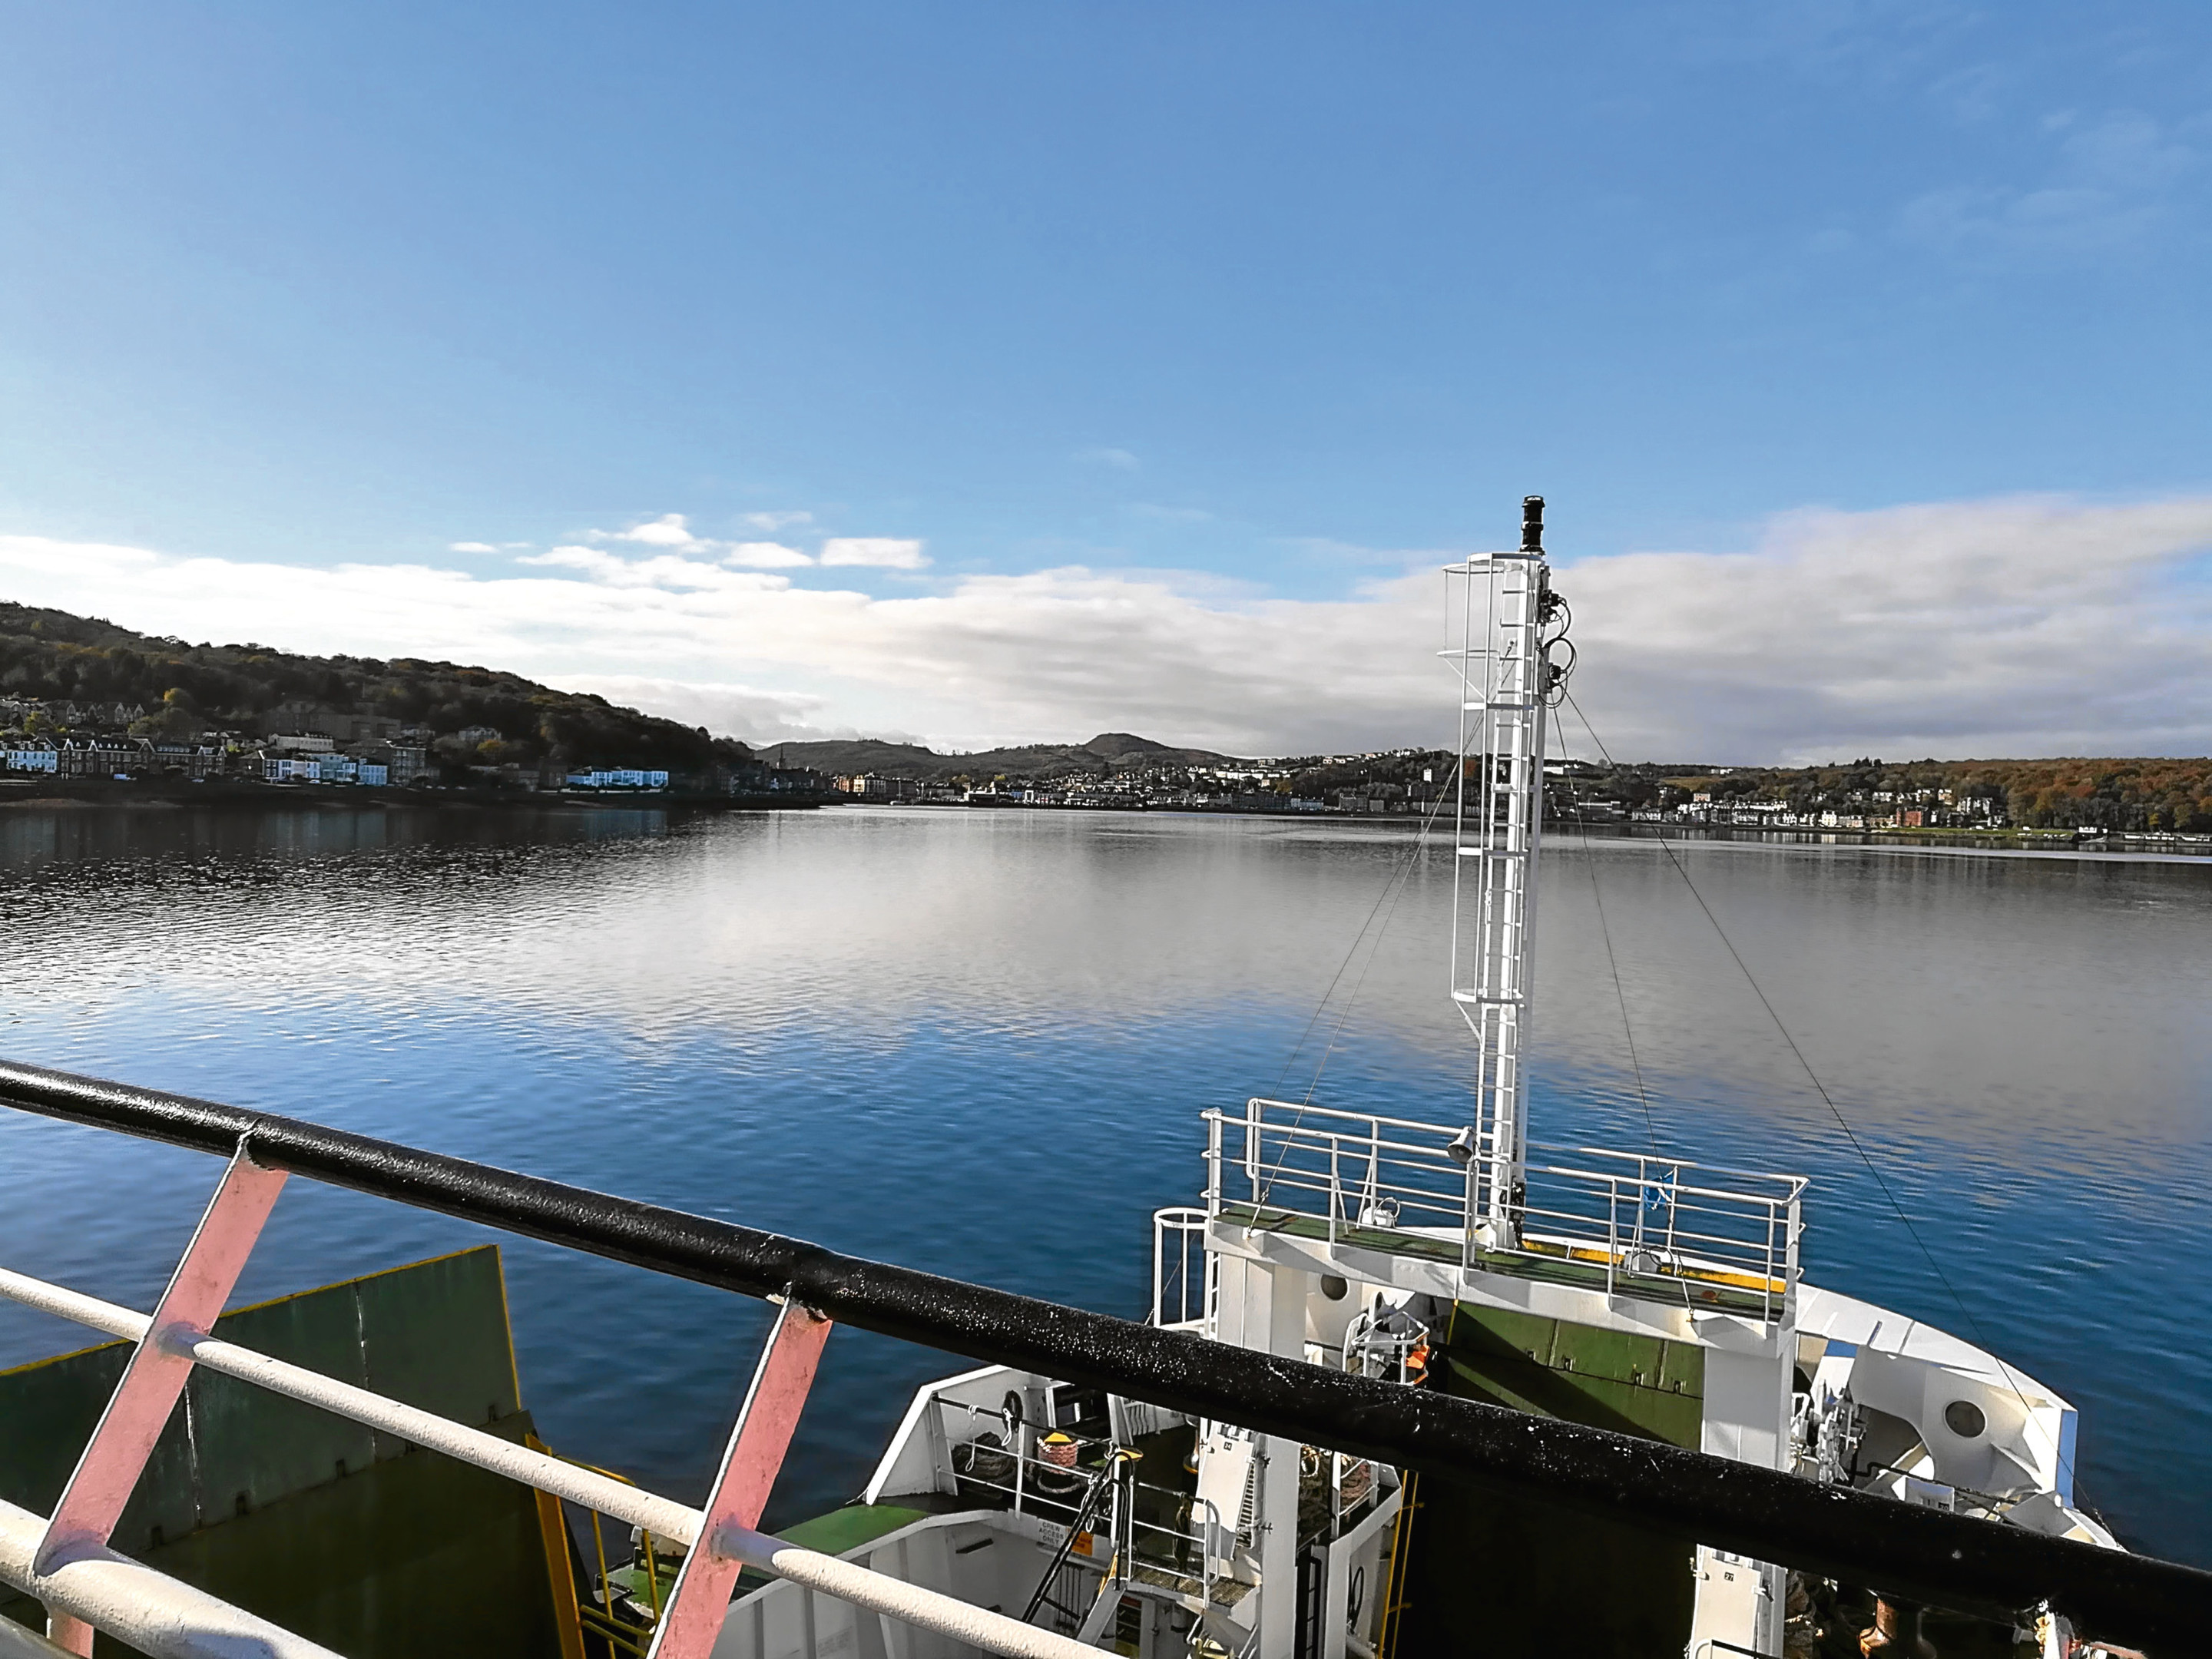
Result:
x=700 y=1599
x=1160 y=1267
x=116 y=1455
x=1611 y=1233
x=1336 y=1186
x=1252 y=1121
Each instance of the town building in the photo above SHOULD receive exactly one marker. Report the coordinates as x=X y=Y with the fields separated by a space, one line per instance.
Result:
x=30 y=755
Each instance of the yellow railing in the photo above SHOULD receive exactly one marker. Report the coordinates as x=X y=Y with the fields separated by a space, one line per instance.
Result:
x=1401 y=1562
x=592 y=1616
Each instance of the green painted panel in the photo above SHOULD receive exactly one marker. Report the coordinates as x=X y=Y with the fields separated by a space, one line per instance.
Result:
x=419 y=1555
x=1511 y=1576
x=850 y=1527
x=1617 y=1380
x=438 y=1338
x=253 y=1448
x=48 y=1410
x=433 y=1334
x=309 y=1519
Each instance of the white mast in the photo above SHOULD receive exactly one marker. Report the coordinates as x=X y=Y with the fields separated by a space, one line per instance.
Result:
x=1505 y=676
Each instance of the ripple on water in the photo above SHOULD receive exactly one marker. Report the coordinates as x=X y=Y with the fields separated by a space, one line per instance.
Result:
x=978 y=1044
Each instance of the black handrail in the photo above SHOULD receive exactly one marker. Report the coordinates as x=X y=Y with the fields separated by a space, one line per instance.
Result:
x=1091 y=1498
x=1906 y=1551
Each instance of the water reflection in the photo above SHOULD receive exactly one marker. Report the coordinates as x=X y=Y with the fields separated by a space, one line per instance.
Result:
x=977 y=1042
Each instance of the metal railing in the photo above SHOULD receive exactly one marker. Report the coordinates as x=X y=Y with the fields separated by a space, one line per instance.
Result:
x=1917 y=1553
x=1012 y=1474
x=596 y=1611
x=1633 y=1224
x=1184 y=1282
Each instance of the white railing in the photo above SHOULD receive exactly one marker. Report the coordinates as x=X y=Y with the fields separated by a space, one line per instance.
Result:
x=1010 y=1473
x=1659 y=1229
x=86 y=1587
x=1184 y=1281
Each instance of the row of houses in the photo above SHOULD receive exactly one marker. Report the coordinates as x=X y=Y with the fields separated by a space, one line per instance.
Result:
x=96 y=716
x=305 y=760
x=102 y=757
x=1117 y=793
x=321 y=747
x=1970 y=814
x=302 y=758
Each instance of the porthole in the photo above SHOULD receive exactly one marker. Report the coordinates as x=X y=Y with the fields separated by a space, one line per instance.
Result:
x=1963 y=1418
x=1334 y=1288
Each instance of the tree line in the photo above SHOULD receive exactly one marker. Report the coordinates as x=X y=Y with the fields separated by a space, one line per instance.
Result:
x=192 y=689
x=2136 y=795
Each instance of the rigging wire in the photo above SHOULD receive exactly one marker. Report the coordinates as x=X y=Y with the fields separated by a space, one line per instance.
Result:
x=1820 y=1089
x=1393 y=891
x=1627 y=1028
x=1357 y=938
x=1400 y=883
x=1612 y=962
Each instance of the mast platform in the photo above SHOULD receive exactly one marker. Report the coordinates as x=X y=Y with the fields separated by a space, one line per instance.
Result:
x=1580 y=1266
x=1701 y=1239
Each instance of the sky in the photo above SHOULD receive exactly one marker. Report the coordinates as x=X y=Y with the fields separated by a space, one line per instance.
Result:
x=976 y=373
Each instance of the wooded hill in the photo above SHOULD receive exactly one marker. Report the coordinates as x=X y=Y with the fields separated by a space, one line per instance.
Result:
x=189 y=690
x=1107 y=753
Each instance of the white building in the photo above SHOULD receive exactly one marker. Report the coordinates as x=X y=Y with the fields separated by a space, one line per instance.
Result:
x=33 y=756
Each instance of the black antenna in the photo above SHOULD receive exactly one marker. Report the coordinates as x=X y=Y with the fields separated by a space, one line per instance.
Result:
x=1532 y=524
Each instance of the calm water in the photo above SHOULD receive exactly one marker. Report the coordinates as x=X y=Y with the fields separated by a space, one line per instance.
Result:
x=978 y=1043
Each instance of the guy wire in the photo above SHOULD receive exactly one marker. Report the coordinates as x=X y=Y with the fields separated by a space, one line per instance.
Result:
x=1392 y=890
x=1612 y=962
x=1820 y=1088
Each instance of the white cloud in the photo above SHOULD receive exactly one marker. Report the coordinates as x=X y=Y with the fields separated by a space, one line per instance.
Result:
x=1121 y=460
x=470 y=547
x=764 y=555
x=772 y=522
x=2010 y=627
x=663 y=570
x=2111 y=185
x=2016 y=627
x=885 y=550
x=744 y=711
x=667 y=530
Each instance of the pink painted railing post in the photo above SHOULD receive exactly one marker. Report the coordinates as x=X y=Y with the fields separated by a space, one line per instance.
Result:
x=700 y=1600
x=93 y=1501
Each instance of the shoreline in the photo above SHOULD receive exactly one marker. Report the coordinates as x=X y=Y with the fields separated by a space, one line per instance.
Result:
x=80 y=794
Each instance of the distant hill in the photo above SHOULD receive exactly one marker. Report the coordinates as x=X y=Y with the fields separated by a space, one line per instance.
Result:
x=1107 y=752
x=179 y=690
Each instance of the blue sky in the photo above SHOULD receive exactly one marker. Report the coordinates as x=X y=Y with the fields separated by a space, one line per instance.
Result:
x=1222 y=308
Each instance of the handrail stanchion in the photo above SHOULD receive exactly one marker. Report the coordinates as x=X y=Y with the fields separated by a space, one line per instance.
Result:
x=1159 y=1267
x=1252 y=1122
x=1335 y=1187
x=700 y=1600
x=1612 y=1235
x=112 y=1459
x=1213 y=1165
